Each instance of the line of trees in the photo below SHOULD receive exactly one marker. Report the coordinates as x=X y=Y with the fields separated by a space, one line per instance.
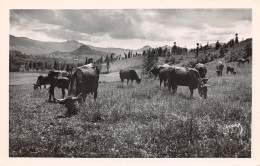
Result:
x=22 y=62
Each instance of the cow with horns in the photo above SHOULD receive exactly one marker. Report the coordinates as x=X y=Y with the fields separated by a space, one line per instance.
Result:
x=82 y=82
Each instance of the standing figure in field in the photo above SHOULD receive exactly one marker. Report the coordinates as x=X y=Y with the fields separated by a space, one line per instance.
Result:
x=129 y=75
x=219 y=68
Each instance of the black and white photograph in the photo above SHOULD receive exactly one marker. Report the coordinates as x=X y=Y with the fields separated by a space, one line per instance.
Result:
x=130 y=82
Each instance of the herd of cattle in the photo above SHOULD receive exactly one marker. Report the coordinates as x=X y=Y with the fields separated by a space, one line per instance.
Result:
x=85 y=79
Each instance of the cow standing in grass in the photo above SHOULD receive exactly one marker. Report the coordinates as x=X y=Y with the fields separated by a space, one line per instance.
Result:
x=83 y=81
x=129 y=75
x=155 y=71
x=42 y=80
x=58 y=79
x=180 y=76
x=163 y=74
x=230 y=69
x=242 y=60
x=219 y=68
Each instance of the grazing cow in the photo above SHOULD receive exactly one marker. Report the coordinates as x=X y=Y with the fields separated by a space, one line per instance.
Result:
x=181 y=76
x=242 y=60
x=129 y=75
x=42 y=80
x=202 y=69
x=58 y=79
x=219 y=68
x=163 y=74
x=83 y=81
x=155 y=70
x=231 y=69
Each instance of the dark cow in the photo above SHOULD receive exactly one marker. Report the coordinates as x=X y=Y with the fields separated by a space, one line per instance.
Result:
x=231 y=69
x=180 y=76
x=129 y=75
x=155 y=70
x=71 y=103
x=202 y=69
x=219 y=68
x=242 y=60
x=163 y=74
x=42 y=80
x=83 y=81
x=58 y=79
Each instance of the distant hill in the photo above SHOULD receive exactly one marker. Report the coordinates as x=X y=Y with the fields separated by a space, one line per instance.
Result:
x=85 y=50
x=116 y=51
x=35 y=47
x=143 y=49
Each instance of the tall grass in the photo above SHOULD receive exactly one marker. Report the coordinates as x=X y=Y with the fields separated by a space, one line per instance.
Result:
x=136 y=121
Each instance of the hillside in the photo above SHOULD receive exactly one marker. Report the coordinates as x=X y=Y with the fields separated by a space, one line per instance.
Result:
x=116 y=51
x=86 y=50
x=35 y=47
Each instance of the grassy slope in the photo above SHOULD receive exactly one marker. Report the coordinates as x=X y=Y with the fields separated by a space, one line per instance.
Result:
x=137 y=121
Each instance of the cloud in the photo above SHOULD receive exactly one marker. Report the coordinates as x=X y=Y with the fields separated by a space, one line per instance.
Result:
x=151 y=26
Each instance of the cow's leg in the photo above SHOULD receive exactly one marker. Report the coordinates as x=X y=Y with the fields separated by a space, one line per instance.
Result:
x=127 y=81
x=51 y=93
x=131 y=82
x=174 y=89
x=191 y=93
x=160 y=82
x=165 y=83
x=122 y=80
x=169 y=86
x=63 y=92
x=44 y=86
x=95 y=94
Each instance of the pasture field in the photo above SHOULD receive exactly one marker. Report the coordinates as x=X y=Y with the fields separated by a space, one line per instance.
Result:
x=136 y=121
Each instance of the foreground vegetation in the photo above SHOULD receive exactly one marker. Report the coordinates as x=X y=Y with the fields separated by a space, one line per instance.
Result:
x=136 y=121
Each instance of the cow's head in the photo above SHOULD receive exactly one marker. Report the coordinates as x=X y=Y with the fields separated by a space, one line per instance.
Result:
x=138 y=80
x=71 y=103
x=35 y=86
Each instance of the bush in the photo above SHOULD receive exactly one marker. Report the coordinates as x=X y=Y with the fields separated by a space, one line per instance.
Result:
x=222 y=51
x=149 y=61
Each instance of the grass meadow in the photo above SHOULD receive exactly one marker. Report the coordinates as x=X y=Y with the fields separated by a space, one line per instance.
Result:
x=138 y=121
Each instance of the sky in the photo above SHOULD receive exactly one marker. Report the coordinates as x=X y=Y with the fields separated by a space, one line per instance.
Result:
x=133 y=28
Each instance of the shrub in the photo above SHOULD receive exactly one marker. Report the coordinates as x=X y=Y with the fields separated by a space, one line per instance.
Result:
x=222 y=51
